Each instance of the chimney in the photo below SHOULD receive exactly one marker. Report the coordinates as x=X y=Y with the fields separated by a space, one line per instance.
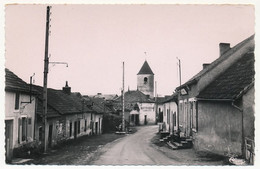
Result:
x=204 y=65
x=66 y=89
x=223 y=47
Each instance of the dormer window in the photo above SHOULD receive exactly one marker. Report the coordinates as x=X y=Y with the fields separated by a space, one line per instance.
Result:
x=145 y=80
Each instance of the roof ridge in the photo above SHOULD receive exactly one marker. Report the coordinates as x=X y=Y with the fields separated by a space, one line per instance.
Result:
x=217 y=61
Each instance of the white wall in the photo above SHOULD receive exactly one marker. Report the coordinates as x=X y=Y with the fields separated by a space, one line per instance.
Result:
x=168 y=119
x=25 y=110
x=148 y=110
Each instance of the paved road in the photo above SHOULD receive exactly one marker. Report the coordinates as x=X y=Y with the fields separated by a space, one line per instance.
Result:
x=135 y=149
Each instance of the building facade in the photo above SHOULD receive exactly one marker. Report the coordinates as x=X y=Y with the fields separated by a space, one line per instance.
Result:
x=209 y=109
x=20 y=106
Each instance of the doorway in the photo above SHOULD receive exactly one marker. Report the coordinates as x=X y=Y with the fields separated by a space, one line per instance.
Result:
x=75 y=130
x=96 y=128
x=70 y=129
x=8 y=140
x=145 y=119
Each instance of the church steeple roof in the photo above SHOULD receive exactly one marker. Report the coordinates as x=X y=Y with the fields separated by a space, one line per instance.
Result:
x=145 y=69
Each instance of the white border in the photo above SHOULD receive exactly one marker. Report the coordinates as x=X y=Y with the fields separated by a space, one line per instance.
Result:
x=2 y=60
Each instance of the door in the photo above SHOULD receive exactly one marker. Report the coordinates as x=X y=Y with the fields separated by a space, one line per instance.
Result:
x=70 y=129
x=96 y=128
x=145 y=119
x=137 y=119
x=75 y=130
x=50 y=136
x=160 y=116
x=8 y=140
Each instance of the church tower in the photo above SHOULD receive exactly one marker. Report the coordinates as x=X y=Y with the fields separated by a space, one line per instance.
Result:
x=145 y=80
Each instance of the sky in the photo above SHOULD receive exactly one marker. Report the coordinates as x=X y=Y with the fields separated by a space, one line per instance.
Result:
x=95 y=39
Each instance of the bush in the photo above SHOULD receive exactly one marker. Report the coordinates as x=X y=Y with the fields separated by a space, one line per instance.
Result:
x=111 y=123
x=28 y=150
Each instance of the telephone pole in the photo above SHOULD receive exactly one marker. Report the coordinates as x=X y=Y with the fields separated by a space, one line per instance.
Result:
x=179 y=64
x=123 y=98
x=45 y=77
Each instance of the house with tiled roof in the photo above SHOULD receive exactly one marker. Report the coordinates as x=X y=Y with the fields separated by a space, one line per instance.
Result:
x=159 y=101
x=194 y=121
x=170 y=114
x=228 y=105
x=68 y=116
x=101 y=107
x=139 y=108
x=20 y=105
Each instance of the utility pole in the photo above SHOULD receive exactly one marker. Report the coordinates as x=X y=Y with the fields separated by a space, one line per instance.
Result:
x=179 y=69
x=45 y=77
x=156 y=104
x=123 y=98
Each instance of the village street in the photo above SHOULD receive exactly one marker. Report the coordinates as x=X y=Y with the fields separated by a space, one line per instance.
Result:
x=135 y=149
x=139 y=149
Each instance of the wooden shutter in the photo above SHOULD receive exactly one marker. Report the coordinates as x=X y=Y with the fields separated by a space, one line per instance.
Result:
x=19 y=130
x=29 y=127
x=26 y=128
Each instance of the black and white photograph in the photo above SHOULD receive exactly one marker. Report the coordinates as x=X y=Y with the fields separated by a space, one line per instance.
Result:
x=129 y=84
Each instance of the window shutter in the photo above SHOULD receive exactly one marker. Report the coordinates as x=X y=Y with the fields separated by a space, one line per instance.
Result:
x=19 y=135
x=29 y=131
x=26 y=128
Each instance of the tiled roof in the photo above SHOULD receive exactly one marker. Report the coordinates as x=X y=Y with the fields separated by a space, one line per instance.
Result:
x=173 y=97
x=99 y=105
x=216 y=62
x=62 y=102
x=135 y=96
x=50 y=111
x=14 y=83
x=106 y=96
x=145 y=69
x=131 y=98
x=234 y=80
x=162 y=99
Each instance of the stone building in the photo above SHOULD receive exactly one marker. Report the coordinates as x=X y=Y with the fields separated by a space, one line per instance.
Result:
x=145 y=80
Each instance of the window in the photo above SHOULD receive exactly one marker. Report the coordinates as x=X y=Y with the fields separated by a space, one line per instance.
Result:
x=145 y=80
x=29 y=121
x=17 y=101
